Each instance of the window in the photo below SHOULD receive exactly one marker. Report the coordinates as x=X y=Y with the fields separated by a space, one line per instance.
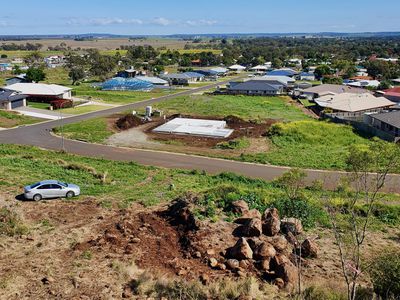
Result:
x=45 y=187
x=56 y=186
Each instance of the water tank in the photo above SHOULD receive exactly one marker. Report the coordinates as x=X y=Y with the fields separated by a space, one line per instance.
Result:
x=149 y=111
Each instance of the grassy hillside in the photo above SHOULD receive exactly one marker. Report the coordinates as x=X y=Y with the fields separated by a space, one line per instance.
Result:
x=9 y=119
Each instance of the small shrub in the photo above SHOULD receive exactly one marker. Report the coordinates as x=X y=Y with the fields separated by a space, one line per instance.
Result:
x=234 y=144
x=385 y=274
x=10 y=223
x=319 y=293
x=61 y=103
x=309 y=213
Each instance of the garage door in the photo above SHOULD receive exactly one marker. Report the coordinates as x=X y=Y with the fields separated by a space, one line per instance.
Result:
x=17 y=103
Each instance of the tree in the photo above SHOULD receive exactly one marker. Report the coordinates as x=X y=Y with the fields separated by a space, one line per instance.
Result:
x=35 y=74
x=34 y=59
x=322 y=70
x=332 y=80
x=76 y=74
x=292 y=182
x=16 y=70
x=384 y=85
x=369 y=167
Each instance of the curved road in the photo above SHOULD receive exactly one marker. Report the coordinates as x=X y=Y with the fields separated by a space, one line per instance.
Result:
x=40 y=135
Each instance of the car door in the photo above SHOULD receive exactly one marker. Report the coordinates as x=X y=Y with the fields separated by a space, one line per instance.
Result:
x=57 y=190
x=45 y=190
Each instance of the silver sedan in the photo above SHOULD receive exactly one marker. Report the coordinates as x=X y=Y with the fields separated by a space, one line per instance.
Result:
x=50 y=189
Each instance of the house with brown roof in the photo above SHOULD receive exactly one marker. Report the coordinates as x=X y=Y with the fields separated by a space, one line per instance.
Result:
x=330 y=89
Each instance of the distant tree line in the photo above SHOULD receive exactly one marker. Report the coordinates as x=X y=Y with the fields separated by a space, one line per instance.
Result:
x=16 y=47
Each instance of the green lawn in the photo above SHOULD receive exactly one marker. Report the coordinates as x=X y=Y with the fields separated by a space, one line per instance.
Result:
x=246 y=107
x=39 y=105
x=94 y=130
x=9 y=119
x=83 y=109
x=118 y=97
x=309 y=144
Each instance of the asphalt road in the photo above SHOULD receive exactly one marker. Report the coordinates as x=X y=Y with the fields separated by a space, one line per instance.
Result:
x=40 y=135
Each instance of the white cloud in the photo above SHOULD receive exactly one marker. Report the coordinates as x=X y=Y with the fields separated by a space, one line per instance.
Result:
x=201 y=22
x=4 y=23
x=161 y=21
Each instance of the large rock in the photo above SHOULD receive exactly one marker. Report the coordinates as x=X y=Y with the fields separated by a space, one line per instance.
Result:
x=240 y=207
x=309 y=248
x=265 y=264
x=232 y=264
x=264 y=251
x=284 y=269
x=241 y=250
x=271 y=222
x=280 y=243
x=292 y=225
x=252 y=228
x=251 y=214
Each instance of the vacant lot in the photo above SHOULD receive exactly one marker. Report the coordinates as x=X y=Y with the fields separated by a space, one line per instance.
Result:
x=118 y=97
x=245 y=107
x=10 y=119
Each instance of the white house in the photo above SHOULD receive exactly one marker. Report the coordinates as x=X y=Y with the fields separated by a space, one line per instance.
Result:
x=237 y=68
x=41 y=90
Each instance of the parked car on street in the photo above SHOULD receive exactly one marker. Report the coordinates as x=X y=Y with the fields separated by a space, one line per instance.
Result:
x=50 y=189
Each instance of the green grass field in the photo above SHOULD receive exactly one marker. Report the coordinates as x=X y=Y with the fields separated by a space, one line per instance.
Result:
x=94 y=130
x=309 y=144
x=83 y=109
x=9 y=119
x=118 y=97
x=246 y=107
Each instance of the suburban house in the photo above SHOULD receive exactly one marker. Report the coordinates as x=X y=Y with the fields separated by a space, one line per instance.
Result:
x=363 y=83
x=388 y=122
x=307 y=76
x=5 y=67
x=260 y=69
x=54 y=61
x=153 y=80
x=128 y=73
x=41 y=92
x=183 y=78
x=237 y=68
x=287 y=81
x=21 y=78
x=254 y=88
x=352 y=106
x=392 y=94
x=283 y=72
x=10 y=100
x=330 y=89
x=219 y=71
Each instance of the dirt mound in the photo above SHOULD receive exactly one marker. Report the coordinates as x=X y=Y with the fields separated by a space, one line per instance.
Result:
x=128 y=121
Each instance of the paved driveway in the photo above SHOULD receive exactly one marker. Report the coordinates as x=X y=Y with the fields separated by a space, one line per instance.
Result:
x=41 y=113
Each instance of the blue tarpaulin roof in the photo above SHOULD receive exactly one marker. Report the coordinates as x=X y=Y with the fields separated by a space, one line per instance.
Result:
x=126 y=84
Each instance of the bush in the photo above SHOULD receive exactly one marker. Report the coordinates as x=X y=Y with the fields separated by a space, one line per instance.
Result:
x=234 y=144
x=385 y=274
x=309 y=213
x=10 y=223
x=61 y=103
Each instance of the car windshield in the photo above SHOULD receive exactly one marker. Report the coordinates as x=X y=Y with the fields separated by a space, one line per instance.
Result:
x=62 y=183
x=35 y=185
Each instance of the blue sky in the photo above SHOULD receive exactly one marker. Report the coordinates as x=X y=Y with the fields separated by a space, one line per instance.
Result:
x=202 y=16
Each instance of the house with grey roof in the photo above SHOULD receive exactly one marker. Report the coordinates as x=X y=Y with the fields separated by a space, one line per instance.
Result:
x=183 y=78
x=330 y=89
x=388 y=122
x=254 y=88
x=10 y=100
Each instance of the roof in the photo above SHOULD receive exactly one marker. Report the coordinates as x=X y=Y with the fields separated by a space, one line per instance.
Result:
x=391 y=118
x=186 y=75
x=237 y=67
x=260 y=67
x=219 y=70
x=393 y=91
x=348 y=102
x=153 y=80
x=6 y=96
x=193 y=74
x=307 y=74
x=364 y=83
x=282 y=72
x=325 y=89
x=283 y=79
x=38 y=89
x=361 y=78
x=254 y=85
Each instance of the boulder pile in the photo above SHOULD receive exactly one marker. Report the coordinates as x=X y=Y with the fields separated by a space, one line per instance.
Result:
x=266 y=245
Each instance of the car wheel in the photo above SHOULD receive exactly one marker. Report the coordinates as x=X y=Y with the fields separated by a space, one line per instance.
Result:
x=37 y=197
x=70 y=194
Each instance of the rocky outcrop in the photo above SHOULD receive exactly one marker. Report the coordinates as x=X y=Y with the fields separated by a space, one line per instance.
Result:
x=309 y=249
x=252 y=228
x=271 y=224
x=291 y=225
x=241 y=250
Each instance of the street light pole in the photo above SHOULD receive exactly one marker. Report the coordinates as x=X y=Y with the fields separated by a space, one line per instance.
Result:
x=62 y=128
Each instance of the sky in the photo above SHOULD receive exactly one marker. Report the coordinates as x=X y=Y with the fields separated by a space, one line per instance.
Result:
x=159 y=17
